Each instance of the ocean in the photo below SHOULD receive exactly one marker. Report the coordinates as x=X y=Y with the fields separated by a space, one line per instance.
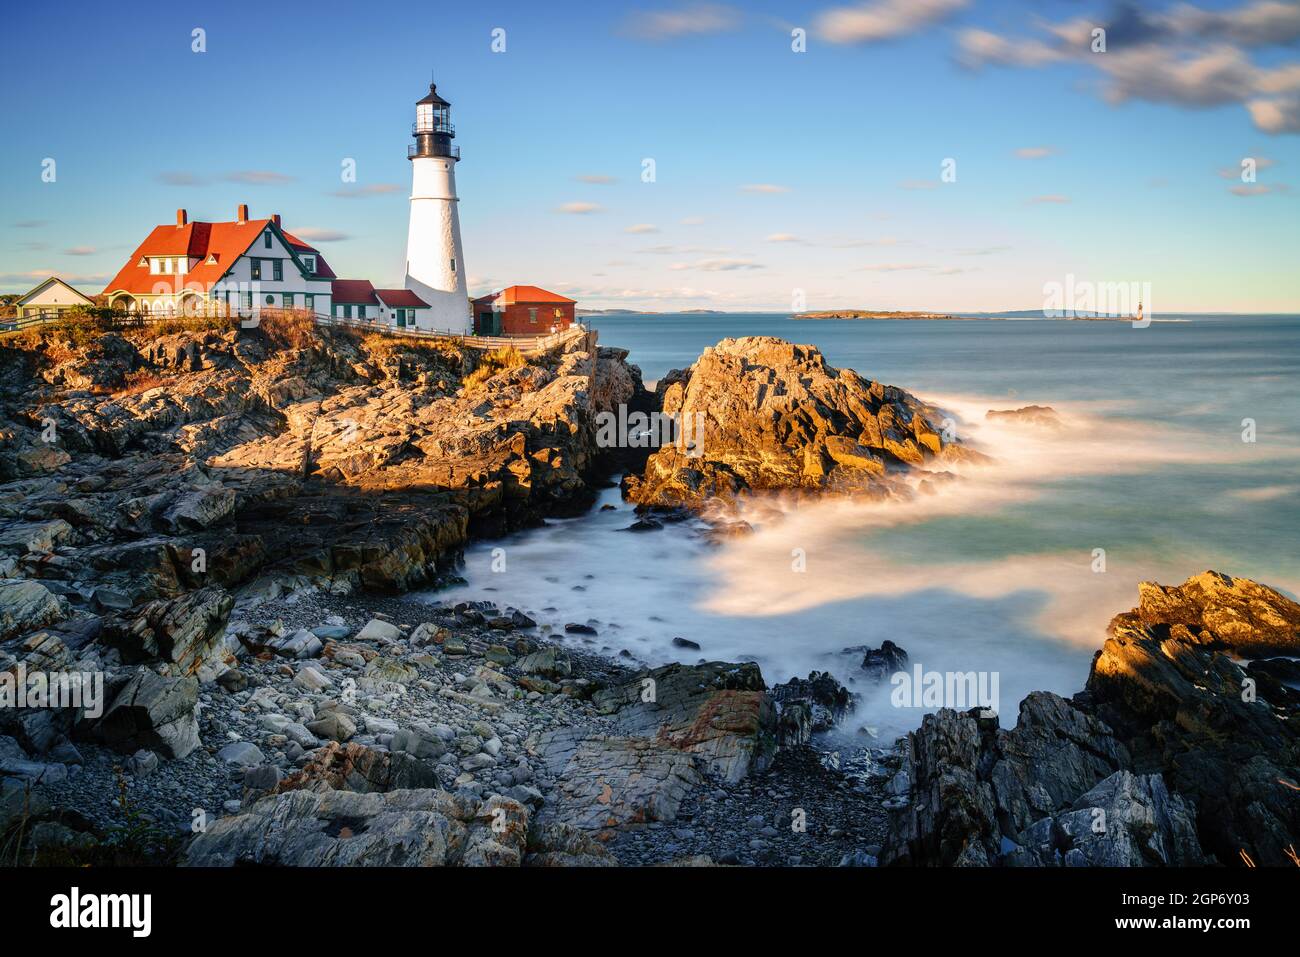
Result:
x=1179 y=454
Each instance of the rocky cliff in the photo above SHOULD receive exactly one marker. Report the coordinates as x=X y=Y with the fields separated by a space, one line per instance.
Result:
x=1178 y=751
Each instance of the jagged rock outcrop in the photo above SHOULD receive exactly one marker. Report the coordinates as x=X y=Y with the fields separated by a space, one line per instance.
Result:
x=809 y=705
x=1185 y=756
x=332 y=828
x=759 y=413
x=1170 y=681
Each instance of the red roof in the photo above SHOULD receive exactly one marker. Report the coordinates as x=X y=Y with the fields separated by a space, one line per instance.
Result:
x=401 y=297
x=513 y=294
x=224 y=241
x=323 y=270
x=353 y=291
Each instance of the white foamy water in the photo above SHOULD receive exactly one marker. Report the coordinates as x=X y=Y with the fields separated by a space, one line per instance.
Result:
x=993 y=573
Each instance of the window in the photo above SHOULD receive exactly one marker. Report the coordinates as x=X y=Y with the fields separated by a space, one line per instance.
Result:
x=255 y=268
x=309 y=263
x=288 y=300
x=453 y=263
x=309 y=302
x=270 y=300
x=277 y=269
x=338 y=310
x=266 y=239
x=532 y=315
x=154 y=267
x=248 y=301
x=347 y=312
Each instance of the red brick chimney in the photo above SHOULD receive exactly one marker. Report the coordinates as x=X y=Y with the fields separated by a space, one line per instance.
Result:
x=242 y=216
x=276 y=218
x=182 y=217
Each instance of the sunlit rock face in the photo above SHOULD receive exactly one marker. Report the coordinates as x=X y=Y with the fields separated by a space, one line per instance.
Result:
x=763 y=414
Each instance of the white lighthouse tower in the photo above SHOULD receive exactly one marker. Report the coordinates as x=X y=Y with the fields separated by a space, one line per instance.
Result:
x=435 y=268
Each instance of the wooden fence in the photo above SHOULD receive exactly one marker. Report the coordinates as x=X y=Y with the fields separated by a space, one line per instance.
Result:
x=527 y=345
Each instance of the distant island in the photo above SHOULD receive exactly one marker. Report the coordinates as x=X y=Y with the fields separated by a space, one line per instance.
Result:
x=648 y=312
x=873 y=314
x=866 y=314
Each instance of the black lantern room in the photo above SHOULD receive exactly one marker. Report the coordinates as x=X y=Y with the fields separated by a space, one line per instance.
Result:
x=432 y=129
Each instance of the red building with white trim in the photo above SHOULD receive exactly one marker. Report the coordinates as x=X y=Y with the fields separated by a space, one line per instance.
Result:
x=522 y=311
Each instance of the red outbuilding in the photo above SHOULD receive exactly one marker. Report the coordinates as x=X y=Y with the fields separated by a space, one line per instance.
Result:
x=522 y=311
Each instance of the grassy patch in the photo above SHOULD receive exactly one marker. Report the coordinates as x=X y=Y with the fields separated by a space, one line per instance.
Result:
x=489 y=364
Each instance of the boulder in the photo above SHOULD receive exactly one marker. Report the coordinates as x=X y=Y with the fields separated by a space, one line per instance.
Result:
x=826 y=700
x=26 y=606
x=355 y=767
x=718 y=712
x=332 y=828
x=152 y=712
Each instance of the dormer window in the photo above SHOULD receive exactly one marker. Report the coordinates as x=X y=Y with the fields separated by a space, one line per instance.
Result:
x=211 y=260
x=144 y=261
x=309 y=263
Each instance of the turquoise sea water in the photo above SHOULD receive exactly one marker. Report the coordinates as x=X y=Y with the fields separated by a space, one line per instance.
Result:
x=1013 y=571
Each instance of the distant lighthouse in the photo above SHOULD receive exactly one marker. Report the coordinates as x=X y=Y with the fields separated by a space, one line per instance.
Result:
x=435 y=267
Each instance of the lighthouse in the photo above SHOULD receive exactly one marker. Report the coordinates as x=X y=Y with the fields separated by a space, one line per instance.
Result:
x=435 y=267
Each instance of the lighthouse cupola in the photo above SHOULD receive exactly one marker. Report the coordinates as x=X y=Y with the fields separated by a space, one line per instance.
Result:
x=432 y=129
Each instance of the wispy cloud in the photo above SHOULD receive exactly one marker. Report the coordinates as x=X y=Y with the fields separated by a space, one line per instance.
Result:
x=717 y=265
x=26 y=279
x=1234 y=172
x=883 y=19
x=321 y=235
x=692 y=20
x=641 y=228
x=367 y=191
x=595 y=179
x=579 y=208
x=180 y=178
x=895 y=267
x=30 y=224
x=80 y=251
x=258 y=177
x=1184 y=57
x=783 y=238
x=983 y=251
x=882 y=241
x=1257 y=189
x=1036 y=152
x=764 y=188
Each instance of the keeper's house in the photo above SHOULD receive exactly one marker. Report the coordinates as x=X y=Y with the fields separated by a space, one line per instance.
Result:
x=522 y=311
x=358 y=300
x=227 y=268
x=50 y=298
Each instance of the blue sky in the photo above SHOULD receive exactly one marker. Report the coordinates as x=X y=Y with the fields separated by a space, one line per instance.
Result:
x=775 y=171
